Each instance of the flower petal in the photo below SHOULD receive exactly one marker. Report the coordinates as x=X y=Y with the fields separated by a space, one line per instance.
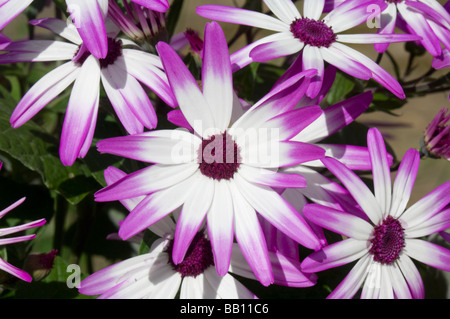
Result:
x=438 y=222
x=271 y=178
x=146 y=181
x=334 y=255
x=191 y=100
x=82 y=108
x=285 y=10
x=404 y=182
x=11 y=9
x=145 y=67
x=278 y=212
x=88 y=19
x=250 y=237
x=428 y=253
x=338 y=221
x=220 y=220
x=417 y=22
x=134 y=95
x=241 y=16
x=335 y=117
x=163 y=147
x=353 y=281
x=217 y=79
x=155 y=5
x=427 y=206
x=313 y=9
x=59 y=27
x=412 y=276
x=192 y=215
x=284 y=45
x=19 y=273
x=380 y=169
x=360 y=192
x=155 y=206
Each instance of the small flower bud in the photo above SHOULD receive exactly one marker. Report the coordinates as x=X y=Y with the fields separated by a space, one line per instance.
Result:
x=39 y=265
x=436 y=140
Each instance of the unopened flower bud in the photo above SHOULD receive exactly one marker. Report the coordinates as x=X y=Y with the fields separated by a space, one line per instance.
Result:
x=39 y=265
x=436 y=141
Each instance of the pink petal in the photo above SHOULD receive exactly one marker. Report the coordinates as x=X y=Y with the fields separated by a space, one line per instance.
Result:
x=82 y=107
x=220 y=220
x=217 y=79
x=360 y=192
x=250 y=238
x=89 y=21
x=192 y=215
x=380 y=169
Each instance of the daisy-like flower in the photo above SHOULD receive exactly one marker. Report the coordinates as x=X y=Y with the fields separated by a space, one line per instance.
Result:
x=220 y=172
x=155 y=274
x=317 y=39
x=383 y=242
x=120 y=73
x=89 y=18
x=425 y=18
x=436 y=140
x=5 y=266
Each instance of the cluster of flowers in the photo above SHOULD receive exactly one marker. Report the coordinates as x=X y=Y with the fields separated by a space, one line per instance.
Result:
x=237 y=187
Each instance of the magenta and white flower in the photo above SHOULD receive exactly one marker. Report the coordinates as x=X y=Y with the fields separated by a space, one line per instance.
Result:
x=385 y=240
x=318 y=39
x=222 y=173
x=89 y=17
x=120 y=73
x=155 y=274
x=5 y=266
x=436 y=140
x=426 y=18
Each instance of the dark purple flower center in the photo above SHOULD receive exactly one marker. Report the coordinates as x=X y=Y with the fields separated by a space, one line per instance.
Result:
x=393 y=1
x=388 y=241
x=219 y=156
x=199 y=256
x=114 y=51
x=313 y=32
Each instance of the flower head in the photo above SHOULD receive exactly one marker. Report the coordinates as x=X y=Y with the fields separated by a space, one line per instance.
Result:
x=120 y=72
x=220 y=172
x=436 y=141
x=386 y=237
x=318 y=39
x=156 y=275
x=5 y=266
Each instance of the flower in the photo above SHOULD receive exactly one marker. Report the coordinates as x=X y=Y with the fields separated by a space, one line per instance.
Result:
x=385 y=240
x=139 y=23
x=317 y=40
x=89 y=18
x=436 y=140
x=5 y=266
x=220 y=173
x=120 y=73
x=155 y=275
x=426 y=18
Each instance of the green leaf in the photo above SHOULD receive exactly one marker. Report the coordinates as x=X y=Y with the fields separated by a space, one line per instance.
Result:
x=342 y=86
x=173 y=15
x=37 y=150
